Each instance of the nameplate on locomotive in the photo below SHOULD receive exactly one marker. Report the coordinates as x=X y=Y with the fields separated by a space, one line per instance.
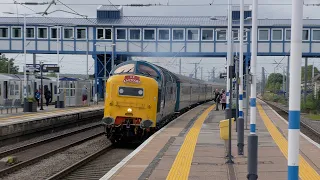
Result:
x=131 y=79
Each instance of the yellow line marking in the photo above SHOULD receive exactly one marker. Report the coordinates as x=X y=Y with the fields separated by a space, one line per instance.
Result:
x=181 y=166
x=306 y=172
x=44 y=113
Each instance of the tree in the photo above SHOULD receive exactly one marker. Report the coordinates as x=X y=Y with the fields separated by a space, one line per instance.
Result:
x=274 y=82
x=309 y=72
x=4 y=62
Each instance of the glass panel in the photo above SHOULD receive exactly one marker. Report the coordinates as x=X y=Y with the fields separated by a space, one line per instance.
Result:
x=263 y=35
x=16 y=88
x=164 y=34
x=30 y=32
x=11 y=89
x=16 y=32
x=130 y=91
x=277 y=35
x=305 y=35
x=178 y=34
x=54 y=33
x=207 y=34
x=235 y=35
x=316 y=35
x=3 y=32
x=108 y=34
x=124 y=69
x=121 y=34
x=81 y=34
x=149 y=34
x=100 y=34
x=288 y=34
x=135 y=34
x=68 y=33
x=42 y=33
x=222 y=35
x=193 y=34
x=146 y=70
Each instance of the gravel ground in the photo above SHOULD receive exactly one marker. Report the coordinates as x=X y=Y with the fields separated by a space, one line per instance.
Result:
x=58 y=162
x=22 y=143
x=312 y=123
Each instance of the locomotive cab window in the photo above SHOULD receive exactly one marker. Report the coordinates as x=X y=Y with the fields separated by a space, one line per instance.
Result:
x=127 y=68
x=146 y=70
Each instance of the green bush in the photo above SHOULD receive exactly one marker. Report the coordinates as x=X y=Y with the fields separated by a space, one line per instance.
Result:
x=31 y=99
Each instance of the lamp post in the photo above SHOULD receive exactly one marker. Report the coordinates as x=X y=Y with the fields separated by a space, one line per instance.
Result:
x=41 y=76
x=253 y=138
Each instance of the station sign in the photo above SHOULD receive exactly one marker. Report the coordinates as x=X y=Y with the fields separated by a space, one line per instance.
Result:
x=131 y=79
x=223 y=75
x=46 y=67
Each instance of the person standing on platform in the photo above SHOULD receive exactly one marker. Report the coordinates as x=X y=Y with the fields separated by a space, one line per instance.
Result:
x=223 y=100
x=37 y=96
x=217 y=99
x=47 y=95
x=84 y=93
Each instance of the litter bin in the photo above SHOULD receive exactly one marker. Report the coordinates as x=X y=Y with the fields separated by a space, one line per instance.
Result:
x=224 y=129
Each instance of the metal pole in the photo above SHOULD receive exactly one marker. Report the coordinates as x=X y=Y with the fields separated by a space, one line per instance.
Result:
x=8 y=66
x=113 y=49
x=247 y=92
x=105 y=69
x=229 y=79
x=288 y=78
x=195 y=70
x=253 y=138
x=305 y=80
x=41 y=76
x=295 y=90
x=237 y=90
x=240 y=120
x=87 y=63
x=25 y=62
x=201 y=72
x=58 y=63
x=180 y=66
x=283 y=80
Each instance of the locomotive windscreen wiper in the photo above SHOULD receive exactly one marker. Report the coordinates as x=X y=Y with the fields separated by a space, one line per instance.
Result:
x=129 y=70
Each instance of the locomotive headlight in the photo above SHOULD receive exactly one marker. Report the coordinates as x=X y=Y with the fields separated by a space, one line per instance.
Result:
x=140 y=92
x=129 y=110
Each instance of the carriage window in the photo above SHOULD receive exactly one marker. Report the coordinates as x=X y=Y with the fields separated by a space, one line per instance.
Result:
x=11 y=89
x=124 y=69
x=16 y=90
x=146 y=70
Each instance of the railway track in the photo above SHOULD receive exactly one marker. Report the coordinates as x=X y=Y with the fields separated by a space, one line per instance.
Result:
x=94 y=166
x=305 y=128
x=31 y=153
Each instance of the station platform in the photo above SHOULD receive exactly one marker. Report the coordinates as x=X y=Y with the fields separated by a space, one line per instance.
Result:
x=22 y=123
x=190 y=148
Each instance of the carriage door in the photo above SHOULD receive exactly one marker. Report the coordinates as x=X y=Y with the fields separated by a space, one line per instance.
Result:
x=51 y=90
x=5 y=90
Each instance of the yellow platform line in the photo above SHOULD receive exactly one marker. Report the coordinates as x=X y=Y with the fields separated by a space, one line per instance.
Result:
x=306 y=172
x=44 y=113
x=181 y=167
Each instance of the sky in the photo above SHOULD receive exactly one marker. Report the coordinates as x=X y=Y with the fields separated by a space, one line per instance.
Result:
x=75 y=64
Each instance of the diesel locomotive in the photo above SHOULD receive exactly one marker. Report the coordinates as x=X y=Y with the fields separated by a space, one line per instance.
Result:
x=140 y=98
